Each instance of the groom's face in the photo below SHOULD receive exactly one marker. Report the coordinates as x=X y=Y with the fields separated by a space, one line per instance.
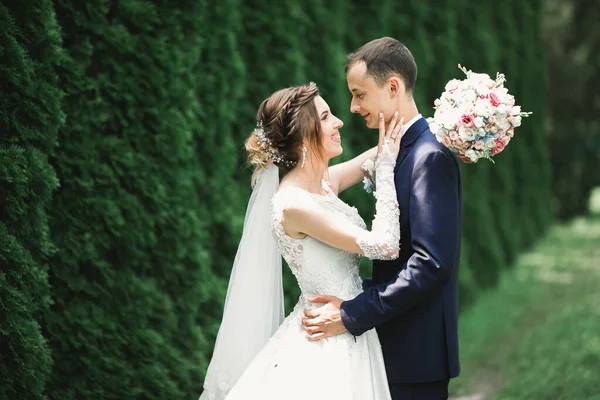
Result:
x=368 y=98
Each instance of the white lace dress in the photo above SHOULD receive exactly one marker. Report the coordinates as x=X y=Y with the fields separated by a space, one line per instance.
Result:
x=291 y=367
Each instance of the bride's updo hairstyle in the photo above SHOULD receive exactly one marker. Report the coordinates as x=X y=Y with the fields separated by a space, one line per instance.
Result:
x=284 y=119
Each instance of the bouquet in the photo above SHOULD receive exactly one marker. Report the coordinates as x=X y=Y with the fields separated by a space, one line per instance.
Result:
x=476 y=117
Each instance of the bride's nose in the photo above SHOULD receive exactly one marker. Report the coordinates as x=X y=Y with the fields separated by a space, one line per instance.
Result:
x=338 y=123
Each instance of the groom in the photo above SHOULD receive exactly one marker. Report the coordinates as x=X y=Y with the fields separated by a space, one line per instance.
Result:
x=411 y=301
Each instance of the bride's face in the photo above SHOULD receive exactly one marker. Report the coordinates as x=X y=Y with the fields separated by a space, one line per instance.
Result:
x=330 y=125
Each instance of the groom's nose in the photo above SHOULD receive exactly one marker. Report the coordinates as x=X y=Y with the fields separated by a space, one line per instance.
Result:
x=354 y=106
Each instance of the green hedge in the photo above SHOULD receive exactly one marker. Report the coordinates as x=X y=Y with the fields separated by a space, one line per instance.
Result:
x=573 y=44
x=127 y=219
x=30 y=117
x=159 y=97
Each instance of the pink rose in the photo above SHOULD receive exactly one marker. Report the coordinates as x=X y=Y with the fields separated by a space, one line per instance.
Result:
x=459 y=141
x=451 y=86
x=499 y=146
x=453 y=135
x=446 y=141
x=493 y=119
x=488 y=127
x=467 y=121
x=479 y=145
x=494 y=99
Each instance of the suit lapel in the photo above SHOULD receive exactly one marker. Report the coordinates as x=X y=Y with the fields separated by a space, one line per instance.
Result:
x=403 y=153
x=409 y=138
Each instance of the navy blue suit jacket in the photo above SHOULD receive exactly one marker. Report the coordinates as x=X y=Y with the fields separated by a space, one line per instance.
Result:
x=413 y=301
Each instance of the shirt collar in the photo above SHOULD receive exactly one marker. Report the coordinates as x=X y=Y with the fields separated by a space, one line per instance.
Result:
x=411 y=122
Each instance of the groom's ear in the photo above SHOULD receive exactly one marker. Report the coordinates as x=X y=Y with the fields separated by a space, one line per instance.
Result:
x=395 y=86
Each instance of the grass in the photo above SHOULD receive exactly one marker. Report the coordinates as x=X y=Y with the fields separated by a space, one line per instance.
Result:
x=537 y=334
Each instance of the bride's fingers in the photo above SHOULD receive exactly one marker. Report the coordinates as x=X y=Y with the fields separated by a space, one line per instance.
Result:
x=392 y=125
x=398 y=129
x=381 y=131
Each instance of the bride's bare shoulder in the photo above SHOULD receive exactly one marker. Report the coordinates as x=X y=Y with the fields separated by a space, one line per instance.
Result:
x=295 y=202
x=292 y=205
x=293 y=196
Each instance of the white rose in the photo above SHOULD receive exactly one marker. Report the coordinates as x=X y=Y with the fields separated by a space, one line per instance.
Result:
x=467 y=134
x=490 y=143
x=502 y=93
x=483 y=108
x=469 y=96
x=471 y=154
x=502 y=109
x=479 y=123
x=509 y=100
x=448 y=120
x=516 y=121
x=437 y=102
x=503 y=123
x=515 y=110
x=447 y=96
x=463 y=85
x=437 y=115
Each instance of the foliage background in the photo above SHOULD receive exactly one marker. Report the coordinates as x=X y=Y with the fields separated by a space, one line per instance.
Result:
x=123 y=175
x=572 y=43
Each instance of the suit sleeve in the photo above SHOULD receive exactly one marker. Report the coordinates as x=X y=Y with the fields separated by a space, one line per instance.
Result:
x=434 y=213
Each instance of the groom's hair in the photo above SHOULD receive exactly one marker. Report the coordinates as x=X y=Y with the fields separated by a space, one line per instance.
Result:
x=385 y=57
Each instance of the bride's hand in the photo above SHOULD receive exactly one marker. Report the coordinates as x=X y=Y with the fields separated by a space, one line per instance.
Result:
x=390 y=137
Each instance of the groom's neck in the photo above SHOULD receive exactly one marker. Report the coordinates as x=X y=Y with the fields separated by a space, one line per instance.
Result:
x=408 y=111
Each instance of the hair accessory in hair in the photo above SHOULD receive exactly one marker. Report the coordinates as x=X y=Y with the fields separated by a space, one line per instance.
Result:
x=271 y=151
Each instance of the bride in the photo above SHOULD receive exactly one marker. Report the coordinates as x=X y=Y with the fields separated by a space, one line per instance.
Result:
x=257 y=355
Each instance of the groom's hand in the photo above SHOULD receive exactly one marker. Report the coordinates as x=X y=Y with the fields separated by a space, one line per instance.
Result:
x=325 y=321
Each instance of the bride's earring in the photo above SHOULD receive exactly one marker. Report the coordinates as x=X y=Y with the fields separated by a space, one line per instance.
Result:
x=303 y=156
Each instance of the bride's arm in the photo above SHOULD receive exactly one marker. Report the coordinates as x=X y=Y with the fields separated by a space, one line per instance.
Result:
x=349 y=173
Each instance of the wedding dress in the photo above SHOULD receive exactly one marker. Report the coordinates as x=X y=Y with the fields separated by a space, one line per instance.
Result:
x=344 y=367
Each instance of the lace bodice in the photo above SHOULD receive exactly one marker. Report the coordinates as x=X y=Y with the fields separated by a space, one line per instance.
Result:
x=318 y=267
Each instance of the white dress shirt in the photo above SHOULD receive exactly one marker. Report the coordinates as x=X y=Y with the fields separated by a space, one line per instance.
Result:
x=409 y=123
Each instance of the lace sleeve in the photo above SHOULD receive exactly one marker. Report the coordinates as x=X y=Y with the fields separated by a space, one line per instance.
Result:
x=383 y=241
